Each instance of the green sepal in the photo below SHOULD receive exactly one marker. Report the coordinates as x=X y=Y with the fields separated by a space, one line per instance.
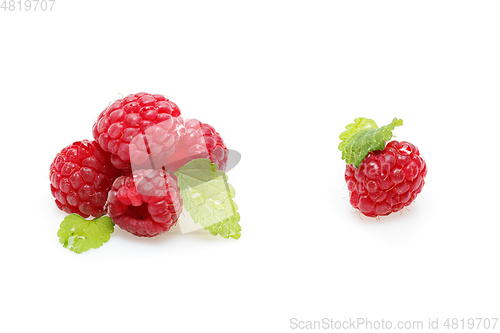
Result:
x=364 y=136
x=79 y=235
x=208 y=198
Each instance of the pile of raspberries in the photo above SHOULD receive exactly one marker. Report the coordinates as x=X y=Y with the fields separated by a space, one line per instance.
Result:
x=127 y=170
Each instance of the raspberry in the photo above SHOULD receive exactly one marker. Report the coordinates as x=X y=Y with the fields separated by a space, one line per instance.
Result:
x=126 y=118
x=386 y=180
x=80 y=178
x=146 y=203
x=198 y=140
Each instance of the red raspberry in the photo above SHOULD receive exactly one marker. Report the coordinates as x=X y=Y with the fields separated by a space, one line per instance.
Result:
x=152 y=148
x=146 y=203
x=198 y=140
x=80 y=178
x=126 y=118
x=386 y=180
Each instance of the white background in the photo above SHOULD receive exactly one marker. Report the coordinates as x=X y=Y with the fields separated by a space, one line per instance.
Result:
x=279 y=80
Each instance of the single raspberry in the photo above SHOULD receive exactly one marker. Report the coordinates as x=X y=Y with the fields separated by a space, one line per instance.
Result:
x=381 y=178
x=146 y=203
x=80 y=178
x=198 y=140
x=129 y=117
x=386 y=180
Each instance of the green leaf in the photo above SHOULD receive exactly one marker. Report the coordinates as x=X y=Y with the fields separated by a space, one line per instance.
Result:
x=208 y=198
x=364 y=136
x=79 y=234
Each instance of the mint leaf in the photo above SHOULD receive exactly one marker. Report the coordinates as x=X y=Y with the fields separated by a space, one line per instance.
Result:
x=364 y=136
x=360 y=124
x=79 y=234
x=208 y=198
